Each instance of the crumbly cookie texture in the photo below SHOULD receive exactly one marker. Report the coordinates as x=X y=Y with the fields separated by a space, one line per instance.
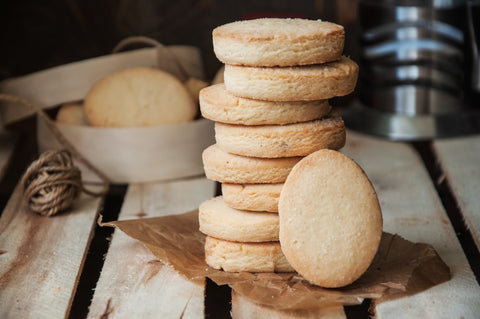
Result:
x=273 y=141
x=278 y=42
x=330 y=219
x=251 y=257
x=217 y=104
x=221 y=221
x=256 y=197
x=296 y=83
x=224 y=167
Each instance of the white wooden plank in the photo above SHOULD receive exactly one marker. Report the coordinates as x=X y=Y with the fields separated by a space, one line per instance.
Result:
x=7 y=145
x=41 y=257
x=411 y=208
x=133 y=284
x=243 y=308
x=460 y=161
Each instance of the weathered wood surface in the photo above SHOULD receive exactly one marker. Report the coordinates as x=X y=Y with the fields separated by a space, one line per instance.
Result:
x=41 y=257
x=460 y=162
x=133 y=284
x=7 y=145
x=411 y=207
x=244 y=308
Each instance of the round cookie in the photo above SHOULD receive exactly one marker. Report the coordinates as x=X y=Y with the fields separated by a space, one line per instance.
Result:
x=272 y=141
x=330 y=219
x=224 y=167
x=139 y=96
x=298 y=83
x=278 y=42
x=217 y=104
x=194 y=86
x=253 y=197
x=72 y=114
x=251 y=257
x=223 y=222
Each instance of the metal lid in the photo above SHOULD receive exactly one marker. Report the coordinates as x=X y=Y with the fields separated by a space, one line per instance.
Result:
x=405 y=127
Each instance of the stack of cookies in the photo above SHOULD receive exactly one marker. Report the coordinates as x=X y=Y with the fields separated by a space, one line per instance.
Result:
x=271 y=112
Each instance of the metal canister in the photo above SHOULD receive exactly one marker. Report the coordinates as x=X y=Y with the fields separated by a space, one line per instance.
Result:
x=413 y=69
x=412 y=55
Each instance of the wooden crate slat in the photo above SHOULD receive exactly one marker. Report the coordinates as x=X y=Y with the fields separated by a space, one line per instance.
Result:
x=244 y=308
x=460 y=161
x=7 y=145
x=133 y=284
x=41 y=257
x=411 y=208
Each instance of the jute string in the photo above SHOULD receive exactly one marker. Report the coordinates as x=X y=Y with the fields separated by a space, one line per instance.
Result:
x=52 y=182
x=165 y=53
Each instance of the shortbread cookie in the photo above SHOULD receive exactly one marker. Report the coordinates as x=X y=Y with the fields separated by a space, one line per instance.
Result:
x=194 y=86
x=300 y=83
x=251 y=257
x=223 y=167
x=223 y=222
x=278 y=42
x=274 y=141
x=330 y=219
x=254 y=197
x=139 y=96
x=217 y=104
x=71 y=113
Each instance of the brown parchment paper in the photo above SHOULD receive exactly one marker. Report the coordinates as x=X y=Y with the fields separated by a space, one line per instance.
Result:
x=400 y=267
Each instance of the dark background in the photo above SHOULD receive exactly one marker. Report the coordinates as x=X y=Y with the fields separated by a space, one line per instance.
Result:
x=38 y=34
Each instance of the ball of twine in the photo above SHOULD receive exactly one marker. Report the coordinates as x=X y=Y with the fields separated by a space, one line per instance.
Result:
x=52 y=183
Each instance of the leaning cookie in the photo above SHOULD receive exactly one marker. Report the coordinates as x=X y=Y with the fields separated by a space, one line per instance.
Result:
x=224 y=167
x=137 y=97
x=254 y=197
x=330 y=219
x=272 y=141
x=278 y=42
x=300 y=83
x=250 y=257
x=217 y=104
x=223 y=222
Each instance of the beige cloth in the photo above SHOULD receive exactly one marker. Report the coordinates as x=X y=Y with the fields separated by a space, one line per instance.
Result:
x=124 y=155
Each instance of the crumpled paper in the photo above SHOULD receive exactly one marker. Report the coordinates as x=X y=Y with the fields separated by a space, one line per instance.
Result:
x=400 y=267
